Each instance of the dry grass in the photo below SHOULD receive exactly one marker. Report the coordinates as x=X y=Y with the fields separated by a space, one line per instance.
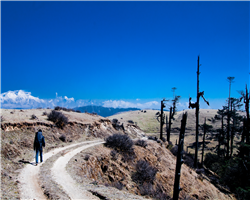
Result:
x=148 y=123
x=15 y=150
x=102 y=170
x=17 y=141
x=25 y=116
x=91 y=181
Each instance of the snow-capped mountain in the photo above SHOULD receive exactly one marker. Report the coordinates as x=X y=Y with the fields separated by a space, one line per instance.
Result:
x=19 y=99
x=24 y=100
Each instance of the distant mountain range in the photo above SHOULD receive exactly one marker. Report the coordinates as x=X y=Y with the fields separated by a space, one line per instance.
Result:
x=20 y=99
x=103 y=111
x=24 y=100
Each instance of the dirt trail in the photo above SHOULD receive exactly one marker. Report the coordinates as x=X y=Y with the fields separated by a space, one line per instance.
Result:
x=28 y=178
x=61 y=176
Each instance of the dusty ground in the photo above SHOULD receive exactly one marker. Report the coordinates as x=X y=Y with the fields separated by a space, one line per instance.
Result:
x=29 y=176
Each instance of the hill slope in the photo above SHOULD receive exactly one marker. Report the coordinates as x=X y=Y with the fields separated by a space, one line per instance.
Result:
x=106 y=166
x=18 y=130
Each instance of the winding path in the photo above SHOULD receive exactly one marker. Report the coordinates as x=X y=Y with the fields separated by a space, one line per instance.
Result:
x=28 y=178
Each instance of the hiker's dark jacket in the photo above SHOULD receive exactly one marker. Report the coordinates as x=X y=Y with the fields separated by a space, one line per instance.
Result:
x=39 y=141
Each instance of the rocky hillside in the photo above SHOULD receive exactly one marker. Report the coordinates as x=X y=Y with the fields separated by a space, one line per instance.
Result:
x=18 y=129
x=102 y=164
x=149 y=172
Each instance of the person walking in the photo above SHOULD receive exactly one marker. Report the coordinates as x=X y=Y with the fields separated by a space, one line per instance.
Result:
x=39 y=143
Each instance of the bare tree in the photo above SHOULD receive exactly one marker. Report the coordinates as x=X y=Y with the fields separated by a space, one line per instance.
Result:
x=205 y=128
x=220 y=116
x=179 y=160
x=196 y=105
x=230 y=80
x=171 y=115
x=246 y=97
x=162 y=117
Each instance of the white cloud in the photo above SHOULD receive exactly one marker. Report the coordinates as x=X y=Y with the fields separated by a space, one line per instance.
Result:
x=126 y=104
x=69 y=99
x=182 y=106
x=22 y=99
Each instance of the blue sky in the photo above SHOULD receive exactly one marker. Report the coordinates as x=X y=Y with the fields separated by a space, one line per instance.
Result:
x=124 y=50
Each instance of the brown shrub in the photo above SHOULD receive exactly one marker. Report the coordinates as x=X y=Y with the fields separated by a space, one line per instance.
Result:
x=10 y=151
x=26 y=143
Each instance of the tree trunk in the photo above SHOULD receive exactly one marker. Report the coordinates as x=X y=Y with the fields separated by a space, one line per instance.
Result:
x=247 y=113
x=228 y=129
x=232 y=136
x=220 y=135
x=197 y=116
x=169 y=124
x=179 y=160
x=161 y=122
x=203 y=145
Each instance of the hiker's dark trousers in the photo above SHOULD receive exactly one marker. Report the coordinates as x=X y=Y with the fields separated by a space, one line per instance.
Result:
x=41 y=155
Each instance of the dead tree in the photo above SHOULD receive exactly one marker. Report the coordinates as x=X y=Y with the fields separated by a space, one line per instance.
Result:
x=246 y=97
x=203 y=146
x=205 y=128
x=237 y=119
x=230 y=80
x=169 y=124
x=196 y=105
x=221 y=135
x=179 y=160
x=161 y=116
x=171 y=115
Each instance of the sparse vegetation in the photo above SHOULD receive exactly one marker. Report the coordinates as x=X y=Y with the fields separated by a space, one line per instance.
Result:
x=131 y=121
x=231 y=166
x=144 y=172
x=66 y=109
x=152 y=138
x=118 y=185
x=144 y=176
x=33 y=117
x=114 y=154
x=63 y=138
x=123 y=145
x=86 y=157
x=141 y=143
x=2 y=118
x=116 y=125
x=119 y=142
x=58 y=118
